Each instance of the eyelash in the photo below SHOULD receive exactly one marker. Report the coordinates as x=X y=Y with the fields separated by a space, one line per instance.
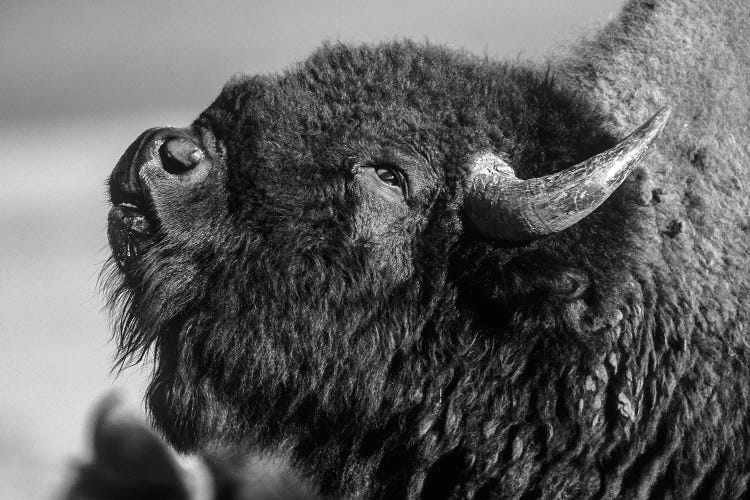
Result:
x=382 y=167
x=389 y=175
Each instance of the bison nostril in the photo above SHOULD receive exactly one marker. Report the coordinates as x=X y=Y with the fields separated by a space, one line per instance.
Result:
x=178 y=155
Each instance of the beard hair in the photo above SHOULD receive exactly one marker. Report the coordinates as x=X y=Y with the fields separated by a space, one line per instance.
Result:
x=238 y=344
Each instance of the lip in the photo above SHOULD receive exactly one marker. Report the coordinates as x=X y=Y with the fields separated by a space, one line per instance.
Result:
x=128 y=231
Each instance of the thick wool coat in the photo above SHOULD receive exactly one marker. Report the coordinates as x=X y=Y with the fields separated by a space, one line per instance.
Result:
x=388 y=351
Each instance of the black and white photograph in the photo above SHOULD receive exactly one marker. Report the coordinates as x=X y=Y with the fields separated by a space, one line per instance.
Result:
x=375 y=250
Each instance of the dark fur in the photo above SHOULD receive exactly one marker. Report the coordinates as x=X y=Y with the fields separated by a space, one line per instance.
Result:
x=429 y=362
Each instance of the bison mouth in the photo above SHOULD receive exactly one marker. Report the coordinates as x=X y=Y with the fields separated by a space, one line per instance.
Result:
x=131 y=221
x=129 y=230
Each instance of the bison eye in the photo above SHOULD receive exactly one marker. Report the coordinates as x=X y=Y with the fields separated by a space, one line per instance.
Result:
x=389 y=176
x=383 y=177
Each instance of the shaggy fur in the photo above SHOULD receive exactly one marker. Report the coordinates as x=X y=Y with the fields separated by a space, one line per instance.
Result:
x=387 y=351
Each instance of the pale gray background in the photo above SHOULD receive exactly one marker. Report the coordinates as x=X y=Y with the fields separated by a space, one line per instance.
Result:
x=78 y=81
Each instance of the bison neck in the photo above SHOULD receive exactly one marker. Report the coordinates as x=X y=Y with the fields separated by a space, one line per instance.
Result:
x=462 y=422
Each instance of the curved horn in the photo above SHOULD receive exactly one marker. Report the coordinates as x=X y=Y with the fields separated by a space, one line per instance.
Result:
x=503 y=207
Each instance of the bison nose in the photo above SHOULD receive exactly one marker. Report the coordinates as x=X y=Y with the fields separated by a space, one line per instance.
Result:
x=180 y=154
x=152 y=159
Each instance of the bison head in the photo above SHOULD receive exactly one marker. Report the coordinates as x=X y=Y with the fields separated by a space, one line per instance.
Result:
x=339 y=264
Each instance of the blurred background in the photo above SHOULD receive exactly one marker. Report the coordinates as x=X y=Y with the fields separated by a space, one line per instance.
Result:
x=79 y=80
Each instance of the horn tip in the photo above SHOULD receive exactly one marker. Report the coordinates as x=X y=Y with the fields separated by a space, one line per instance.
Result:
x=661 y=117
x=653 y=127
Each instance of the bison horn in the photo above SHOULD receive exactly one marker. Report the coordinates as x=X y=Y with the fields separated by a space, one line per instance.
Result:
x=503 y=207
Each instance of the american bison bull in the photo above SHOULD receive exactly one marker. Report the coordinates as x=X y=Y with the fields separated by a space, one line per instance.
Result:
x=386 y=268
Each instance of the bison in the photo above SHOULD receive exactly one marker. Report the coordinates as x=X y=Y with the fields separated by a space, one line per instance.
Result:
x=385 y=267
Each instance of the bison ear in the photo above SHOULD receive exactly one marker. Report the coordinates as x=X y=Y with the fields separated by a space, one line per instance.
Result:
x=533 y=284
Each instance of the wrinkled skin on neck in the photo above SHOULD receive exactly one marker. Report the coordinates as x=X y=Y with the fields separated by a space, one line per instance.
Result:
x=296 y=306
